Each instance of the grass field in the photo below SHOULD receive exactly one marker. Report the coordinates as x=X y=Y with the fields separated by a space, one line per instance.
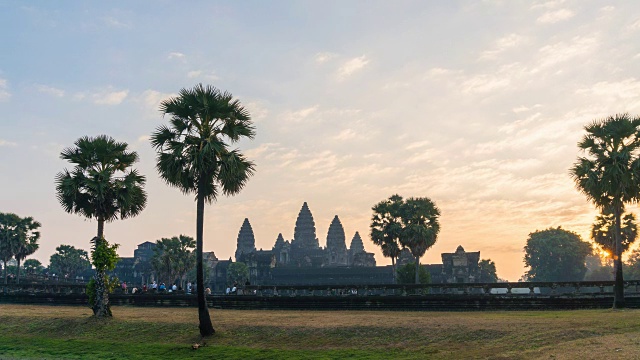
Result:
x=58 y=332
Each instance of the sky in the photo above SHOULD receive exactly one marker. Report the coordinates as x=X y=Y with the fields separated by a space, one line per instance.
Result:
x=477 y=105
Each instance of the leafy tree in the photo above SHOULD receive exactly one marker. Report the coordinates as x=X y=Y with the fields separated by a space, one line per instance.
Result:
x=488 y=273
x=18 y=238
x=555 y=255
x=32 y=266
x=67 y=261
x=386 y=228
x=237 y=272
x=28 y=241
x=102 y=185
x=610 y=176
x=411 y=224
x=406 y=274
x=194 y=155
x=174 y=257
x=603 y=231
x=9 y=239
x=633 y=265
x=421 y=227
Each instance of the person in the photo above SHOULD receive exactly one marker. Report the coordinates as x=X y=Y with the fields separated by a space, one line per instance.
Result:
x=207 y=291
x=154 y=286
x=174 y=287
x=234 y=289
x=144 y=288
x=162 y=287
x=228 y=290
x=124 y=287
x=189 y=287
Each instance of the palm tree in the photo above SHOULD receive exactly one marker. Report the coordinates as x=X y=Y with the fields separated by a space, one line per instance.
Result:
x=9 y=239
x=194 y=156
x=102 y=185
x=610 y=175
x=421 y=227
x=386 y=228
x=28 y=241
x=602 y=231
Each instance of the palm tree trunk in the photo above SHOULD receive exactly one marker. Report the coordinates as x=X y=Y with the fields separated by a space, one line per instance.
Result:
x=101 y=307
x=417 y=270
x=618 y=296
x=6 y=275
x=18 y=271
x=393 y=269
x=206 y=328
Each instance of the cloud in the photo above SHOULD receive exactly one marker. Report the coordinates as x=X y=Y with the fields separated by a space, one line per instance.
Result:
x=417 y=145
x=144 y=138
x=7 y=143
x=346 y=134
x=199 y=73
x=352 y=66
x=552 y=17
x=50 y=90
x=4 y=90
x=300 y=115
x=151 y=100
x=115 y=23
x=109 y=97
x=323 y=57
x=503 y=44
x=562 y=51
x=547 y=4
x=176 y=55
x=635 y=25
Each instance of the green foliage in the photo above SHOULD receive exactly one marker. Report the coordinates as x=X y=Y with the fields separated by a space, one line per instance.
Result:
x=555 y=255
x=603 y=231
x=32 y=266
x=173 y=257
x=632 y=265
x=407 y=273
x=67 y=260
x=104 y=256
x=488 y=273
x=101 y=185
x=386 y=226
x=237 y=272
x=18 y=238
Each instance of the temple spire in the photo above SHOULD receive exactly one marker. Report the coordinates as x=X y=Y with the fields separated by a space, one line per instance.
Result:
x=335 y=235
x=246 y=240
x=304 y=235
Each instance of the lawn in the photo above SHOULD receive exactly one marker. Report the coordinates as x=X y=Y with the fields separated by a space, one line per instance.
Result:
x=61 y=332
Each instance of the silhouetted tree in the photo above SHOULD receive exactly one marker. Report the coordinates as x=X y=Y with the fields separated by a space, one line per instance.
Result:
x=555 y=255
x=194 y=156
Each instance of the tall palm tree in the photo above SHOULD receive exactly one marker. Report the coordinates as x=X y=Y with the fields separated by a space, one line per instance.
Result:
x=28 y=241
x=386 y=228
x=602 y=231
x=610 y=175
x=9 y=238
x=101 y=186
x=194 y=155
x=421 y=227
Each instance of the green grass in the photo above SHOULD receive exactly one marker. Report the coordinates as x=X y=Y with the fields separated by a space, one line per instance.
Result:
x=52 y=332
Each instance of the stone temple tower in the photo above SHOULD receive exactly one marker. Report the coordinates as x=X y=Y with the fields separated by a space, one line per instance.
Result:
x=336 y=252
x=246 y=240
x=304 y=235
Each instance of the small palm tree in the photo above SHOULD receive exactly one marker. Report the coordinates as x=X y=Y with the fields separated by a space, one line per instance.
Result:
x=28 y=241
x=421 y=227
x=386 y=228
x=610 y=175
x=194 y=156
x=101 y=186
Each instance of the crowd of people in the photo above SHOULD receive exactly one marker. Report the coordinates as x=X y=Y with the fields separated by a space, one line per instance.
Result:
x=162 y=288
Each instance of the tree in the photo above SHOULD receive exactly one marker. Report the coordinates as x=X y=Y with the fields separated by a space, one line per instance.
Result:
x=174 y=257
x=237 y=272
x=194 y=155
x=633 y=265
x=32 y=266
x=28 y=241
x=406 y=274
x=421 y=227
x=102 y=185
x=603 y=231
x=9 y=239
x=610 y=176
x=67 y=261
x=386 y=228
x=488 y=273
x=411 y=224
x=555 y=255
